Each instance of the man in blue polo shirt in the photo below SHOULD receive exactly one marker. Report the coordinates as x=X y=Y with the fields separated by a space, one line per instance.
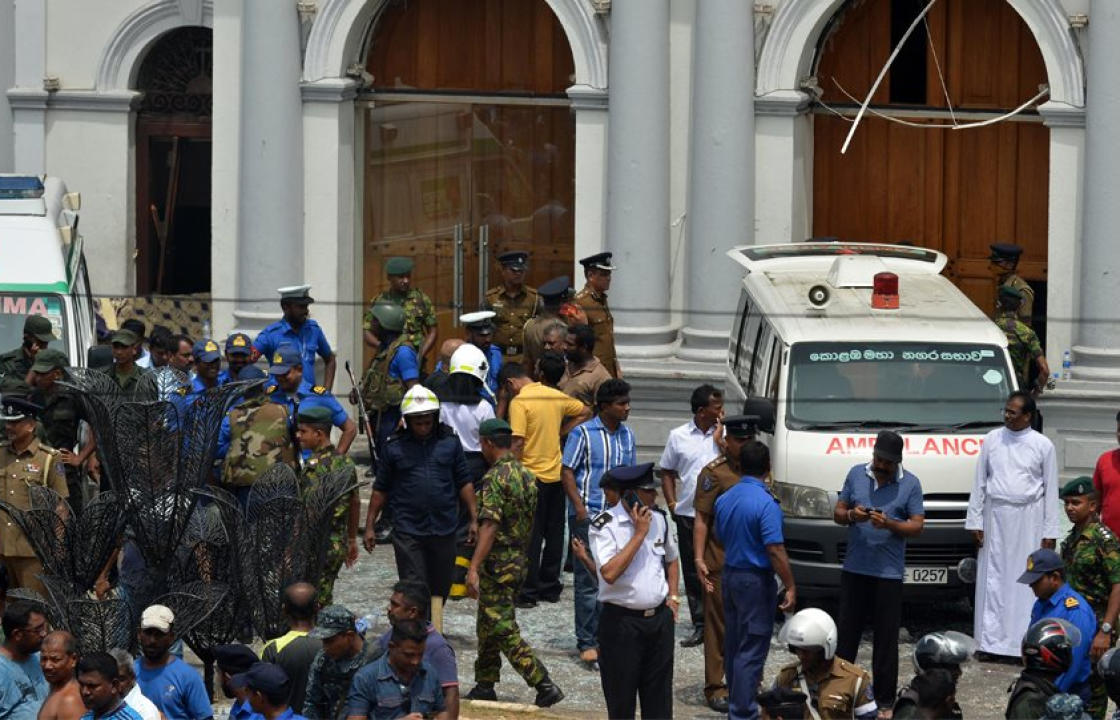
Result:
x=292 y=391
x=298 y=329
x=598 y=445
x=881 y=503
x=748 y=522
x=400 y=683
x=1045 y=574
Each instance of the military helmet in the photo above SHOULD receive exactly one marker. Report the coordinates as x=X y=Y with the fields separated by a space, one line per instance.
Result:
x=812 y=627
x=1048 y=645
x=948 y=650
x=389 y=315
x=1108 y=668
x=419 y=400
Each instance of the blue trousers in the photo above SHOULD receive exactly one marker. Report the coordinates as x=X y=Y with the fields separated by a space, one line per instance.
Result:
x=748 y=608
x=586 y=592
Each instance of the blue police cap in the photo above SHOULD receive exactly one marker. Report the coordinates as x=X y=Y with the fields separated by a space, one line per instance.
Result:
x=267 y=677
x=284 y=359
x=515 y=259
x=1039 y=563
x=250 y=373
x=632 y=477
x=1005 y=251
x=206 y=350
x=556 y=288
x=598 y=261
x=233 y=659
x=239 y=344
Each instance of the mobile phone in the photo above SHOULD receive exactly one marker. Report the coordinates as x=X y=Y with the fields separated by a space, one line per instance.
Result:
x=631 y=500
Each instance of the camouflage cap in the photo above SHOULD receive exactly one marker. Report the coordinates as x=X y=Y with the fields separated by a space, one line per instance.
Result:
x=1078 y=486
x=332 y=620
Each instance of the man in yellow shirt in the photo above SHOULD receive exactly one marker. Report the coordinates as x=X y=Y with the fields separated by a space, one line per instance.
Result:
x=540 y=415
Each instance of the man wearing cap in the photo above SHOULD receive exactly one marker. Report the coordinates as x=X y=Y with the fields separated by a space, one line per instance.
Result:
x=239 y=353
x=137 y=326
x=393 y=370
x=1091 y=553
x=314 y=434
x=294 y=392
x=480 y=333
x=637 y=563
x=716 y=478
x=584 y=372
x=37 y=334
x=1045 y=574
x=60 y=418
x=207 y=364
x=172 y=685
x=297 y=328
x=253 y=436
x=1004 y=262
x=882 y=505
x=232 y=660
x=552 y=295
x=1022 y=341
x=24 y=462
x=332 y=671
x=124 y=371
x=399 y=684
x=268 y=689
x=507 y=502
x=1012 y=510
x=592 y=298
x=419 y=312
x=513 y=304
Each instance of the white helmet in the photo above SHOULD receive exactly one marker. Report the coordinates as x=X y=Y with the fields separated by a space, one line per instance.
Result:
x=470 y=360
x=813 y=627
x=419 y=400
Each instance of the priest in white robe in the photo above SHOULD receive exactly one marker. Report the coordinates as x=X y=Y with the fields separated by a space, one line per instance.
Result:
x=1012 y=512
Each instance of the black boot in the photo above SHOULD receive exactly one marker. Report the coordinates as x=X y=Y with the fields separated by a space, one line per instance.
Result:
x=482 y=691
x=548 y=694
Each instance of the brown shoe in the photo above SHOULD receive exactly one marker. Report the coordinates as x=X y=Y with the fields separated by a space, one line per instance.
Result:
x=589 y=655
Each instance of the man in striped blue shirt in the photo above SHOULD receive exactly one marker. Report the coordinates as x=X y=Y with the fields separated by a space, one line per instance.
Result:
x=598 y=445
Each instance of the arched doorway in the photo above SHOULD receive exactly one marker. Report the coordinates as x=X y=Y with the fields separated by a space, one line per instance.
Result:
x=953 y=190
x=173 y=159
x=469 y=146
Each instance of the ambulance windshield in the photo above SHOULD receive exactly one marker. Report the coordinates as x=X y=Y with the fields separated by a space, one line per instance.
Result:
x=14 y=309
x=938 y=387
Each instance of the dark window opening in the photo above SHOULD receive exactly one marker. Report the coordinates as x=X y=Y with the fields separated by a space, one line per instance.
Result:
x=908 y=73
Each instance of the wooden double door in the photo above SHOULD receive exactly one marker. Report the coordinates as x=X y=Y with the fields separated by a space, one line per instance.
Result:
x=952 y=190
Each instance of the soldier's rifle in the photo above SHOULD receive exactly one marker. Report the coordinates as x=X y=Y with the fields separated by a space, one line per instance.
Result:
x=363 y=418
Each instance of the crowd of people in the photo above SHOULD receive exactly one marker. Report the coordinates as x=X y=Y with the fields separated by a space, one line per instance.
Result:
x=512 y=451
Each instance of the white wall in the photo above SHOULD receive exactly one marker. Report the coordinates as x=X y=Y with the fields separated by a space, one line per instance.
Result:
x=7 y=80
x=77 y=32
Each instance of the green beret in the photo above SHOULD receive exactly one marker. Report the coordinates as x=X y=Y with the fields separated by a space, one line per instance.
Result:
x=315 y=415
x=1010 y=291
x=1078 y=486
x=398 y=266
x=494 y=426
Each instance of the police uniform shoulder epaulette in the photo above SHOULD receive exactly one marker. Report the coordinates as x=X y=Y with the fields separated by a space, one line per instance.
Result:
x=182 y=390
x=531 y=292
x=601 y=520
x=48 y=450
x=843 y=666
x=1071 y=602
x=720 y=460
x=269 y=389
x=319 y=390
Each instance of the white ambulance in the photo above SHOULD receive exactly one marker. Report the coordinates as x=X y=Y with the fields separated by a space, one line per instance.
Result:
x=833 y=342
x=42 y=265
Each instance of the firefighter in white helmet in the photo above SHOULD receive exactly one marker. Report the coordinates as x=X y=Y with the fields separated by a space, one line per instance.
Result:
x=836 y=688
x=423 y=479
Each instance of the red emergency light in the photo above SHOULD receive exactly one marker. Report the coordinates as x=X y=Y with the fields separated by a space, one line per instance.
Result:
x=884 y=291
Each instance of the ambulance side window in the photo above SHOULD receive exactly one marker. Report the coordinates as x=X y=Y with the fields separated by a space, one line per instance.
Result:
x=764 y=349
x=736 y=349
x=748 y=351
x=775 y=369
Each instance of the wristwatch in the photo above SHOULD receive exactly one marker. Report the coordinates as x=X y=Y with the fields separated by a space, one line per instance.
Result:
x=675 y=598
x=1106 y=628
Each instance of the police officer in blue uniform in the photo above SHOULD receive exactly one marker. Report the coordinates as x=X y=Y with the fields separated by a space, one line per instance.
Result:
x=639 y=570
x=1056 y=599
x=298 y=329
x=480 y=333
x=207 y=366
x=294 y=392
x=748 y=522
x=239 y=354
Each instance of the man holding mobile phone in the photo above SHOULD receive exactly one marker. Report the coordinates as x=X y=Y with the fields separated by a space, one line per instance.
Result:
x=638 y=568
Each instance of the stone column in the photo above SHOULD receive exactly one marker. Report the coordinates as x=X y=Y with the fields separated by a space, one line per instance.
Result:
x=1098 y=331
x=270 y=205
x=638 y=177
x=28 y=99
x=721 y=187
x=589 y=105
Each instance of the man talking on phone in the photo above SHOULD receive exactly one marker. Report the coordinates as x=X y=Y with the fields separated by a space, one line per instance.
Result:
x=638 y=567
x=881 y=503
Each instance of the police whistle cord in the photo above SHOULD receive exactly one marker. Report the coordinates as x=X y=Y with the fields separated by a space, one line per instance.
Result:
x=363 y=418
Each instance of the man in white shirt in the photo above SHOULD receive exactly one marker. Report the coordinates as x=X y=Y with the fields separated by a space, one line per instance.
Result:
x=637 y=564
x=1012 y=512
x=689 y=448
x=131 y=692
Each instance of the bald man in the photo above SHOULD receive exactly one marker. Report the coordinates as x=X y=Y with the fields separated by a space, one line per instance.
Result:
x=58 y=658
x=294 y=651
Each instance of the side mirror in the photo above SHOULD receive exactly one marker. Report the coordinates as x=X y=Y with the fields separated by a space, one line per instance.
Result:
x=72 y=201
x=763 y=409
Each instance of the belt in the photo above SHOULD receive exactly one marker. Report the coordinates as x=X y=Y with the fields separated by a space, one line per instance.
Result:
x=633 y=613
x=512 y=350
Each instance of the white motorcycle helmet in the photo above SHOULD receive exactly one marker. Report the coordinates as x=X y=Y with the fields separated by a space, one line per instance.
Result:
x=468 y=359
x=811 y=628
x=419 y=400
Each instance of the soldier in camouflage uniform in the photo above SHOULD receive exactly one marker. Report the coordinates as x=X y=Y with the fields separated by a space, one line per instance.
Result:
x=344 y=653
x=1091 y=554
x=394 y=369
x=314 y=432
x=507 y=504
x=419 y=312
x=253 y=437
x=513 y=305
x=1022 y=342
x=1005 y=262
x=717 y=477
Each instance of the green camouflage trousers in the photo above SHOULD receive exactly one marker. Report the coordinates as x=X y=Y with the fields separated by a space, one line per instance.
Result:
x=1098 y=697
x=336 y=555
x=499 y=580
